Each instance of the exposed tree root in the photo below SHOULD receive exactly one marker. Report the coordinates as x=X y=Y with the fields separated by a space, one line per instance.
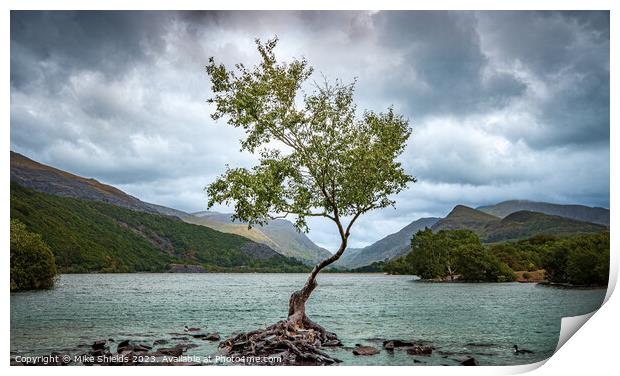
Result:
x=296 y=341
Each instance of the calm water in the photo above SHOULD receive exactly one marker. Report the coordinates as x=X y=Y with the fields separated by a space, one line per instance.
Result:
x=483 y=320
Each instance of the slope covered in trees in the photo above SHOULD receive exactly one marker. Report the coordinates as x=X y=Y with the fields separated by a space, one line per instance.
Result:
x=88 y=236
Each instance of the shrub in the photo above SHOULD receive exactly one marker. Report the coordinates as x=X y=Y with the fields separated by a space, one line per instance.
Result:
x=32 y=261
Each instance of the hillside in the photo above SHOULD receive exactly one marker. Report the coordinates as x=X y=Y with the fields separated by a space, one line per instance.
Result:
x=463 y=217
x=392 y=246
x=518 y=225
x=578 y=212
x=491 y=229
x=47 y=179
x=278 y=234
x=88 y=236
x=525 y=224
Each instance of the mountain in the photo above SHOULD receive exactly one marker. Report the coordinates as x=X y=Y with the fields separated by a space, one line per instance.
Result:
x=392 y=246
x=47 y=179
x=525 y=224
x=93 y=236
x=578 y=212
x=464 y=217
x=518 y=225
x=491 y=229
x=280 y=234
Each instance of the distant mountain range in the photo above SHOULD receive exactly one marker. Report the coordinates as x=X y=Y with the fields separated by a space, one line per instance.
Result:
x=278 y=235
x=518 y=225
x=392 y=246
x=578 y=212
x=514 y=223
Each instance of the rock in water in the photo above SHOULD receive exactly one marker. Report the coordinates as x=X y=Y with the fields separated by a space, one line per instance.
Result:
x=394 y=343
x=420 y=350
x=212 y=337
x=365 y=350
x=99 y=345
x=470 y=361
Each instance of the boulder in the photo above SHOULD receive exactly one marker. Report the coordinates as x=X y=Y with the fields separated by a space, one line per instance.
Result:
x=160 y=342
x=123 y=345
x=332 y=343
x=394 y=343
x=420 y=350
x=99 y=345
x=469 y=361
x=141 y=348
x=365 y=350
x=171 y=351
x=212 y=337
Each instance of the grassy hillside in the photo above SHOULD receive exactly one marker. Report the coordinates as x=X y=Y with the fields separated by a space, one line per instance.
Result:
x=525 y=224
x=47 y=179
x=94 y=236
x=578 y=212
x=278 y=234
x=518 y=225
x=463 y=217
x=253 y=234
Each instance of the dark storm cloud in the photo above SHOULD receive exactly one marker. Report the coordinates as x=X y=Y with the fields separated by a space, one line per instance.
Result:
x=503 y=105
x=447 y=69
x=109 y=42
x=568 y=54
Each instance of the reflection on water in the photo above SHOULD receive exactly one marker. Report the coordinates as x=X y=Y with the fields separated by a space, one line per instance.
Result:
x=483 y=320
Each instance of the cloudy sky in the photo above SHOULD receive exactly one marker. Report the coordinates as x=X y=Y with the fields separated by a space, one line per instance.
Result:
x=503 y=105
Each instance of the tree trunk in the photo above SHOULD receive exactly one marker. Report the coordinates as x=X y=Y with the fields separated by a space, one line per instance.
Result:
x=297 y=303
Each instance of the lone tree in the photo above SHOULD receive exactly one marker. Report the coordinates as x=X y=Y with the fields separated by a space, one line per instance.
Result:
x=317 y=159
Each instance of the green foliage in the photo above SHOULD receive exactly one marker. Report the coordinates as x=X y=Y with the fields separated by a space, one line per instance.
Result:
x=375 y=267
x=575 y=260
x=580 y=260
x=93 y=236
x=439 y=255
x=334 y=165
x=476 y=264
x=524 y=254
x=32 y=261
x=448 y=254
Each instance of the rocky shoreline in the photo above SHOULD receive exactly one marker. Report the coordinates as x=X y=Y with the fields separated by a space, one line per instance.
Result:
x=173 y=351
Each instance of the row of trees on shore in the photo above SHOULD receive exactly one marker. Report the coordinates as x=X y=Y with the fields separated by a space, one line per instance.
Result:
x=459 y=254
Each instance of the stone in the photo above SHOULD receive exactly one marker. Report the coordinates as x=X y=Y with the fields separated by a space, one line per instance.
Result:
x=365 y=350
x=470 y=361
x=394 y=343
x=141 y=348
x=420 y=350
x=123 y=345
x=332 y=343
x=171 y=351
x=99 y=345
x=212 y=337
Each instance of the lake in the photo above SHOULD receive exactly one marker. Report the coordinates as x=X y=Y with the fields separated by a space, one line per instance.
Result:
x=484 y=320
